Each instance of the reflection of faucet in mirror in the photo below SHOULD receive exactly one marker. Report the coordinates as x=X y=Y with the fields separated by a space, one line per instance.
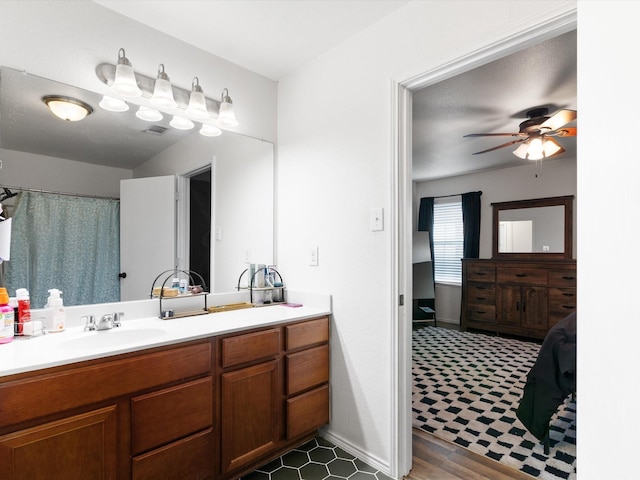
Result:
x=111 y=153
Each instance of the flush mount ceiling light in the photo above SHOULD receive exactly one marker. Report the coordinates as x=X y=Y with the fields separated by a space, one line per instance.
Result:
x=158 y=94
x=148 y=114
x=162 y=91
x=124 y=83
x=226 y=116
x=67 y=108
x=113 y=104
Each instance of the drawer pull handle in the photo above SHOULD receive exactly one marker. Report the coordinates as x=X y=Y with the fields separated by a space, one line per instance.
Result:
x=481 y=298
x=517 y=306
x=568 y=307
x=480 y=274
x=521 y=275
x=568 y=278
x=569 y=294
x=480 y=312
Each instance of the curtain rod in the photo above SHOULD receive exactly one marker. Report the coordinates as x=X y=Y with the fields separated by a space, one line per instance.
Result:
x=82 y=195
x=453 y=195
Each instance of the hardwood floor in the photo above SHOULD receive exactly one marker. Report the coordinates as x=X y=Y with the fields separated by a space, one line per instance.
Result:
x=435 y=459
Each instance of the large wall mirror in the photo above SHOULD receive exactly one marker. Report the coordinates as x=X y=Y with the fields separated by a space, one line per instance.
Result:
x=541 y=227
x=242 y=168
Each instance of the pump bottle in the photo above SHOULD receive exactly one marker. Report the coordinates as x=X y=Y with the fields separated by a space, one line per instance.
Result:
x=6 y=317
x=56 y=314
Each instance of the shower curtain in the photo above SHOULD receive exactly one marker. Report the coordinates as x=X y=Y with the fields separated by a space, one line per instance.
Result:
x=65 y=242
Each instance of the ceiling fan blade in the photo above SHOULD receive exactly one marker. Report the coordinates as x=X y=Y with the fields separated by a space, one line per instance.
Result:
x=502 y=146
x=559 y=119
x=565 y=132
x=492 y=135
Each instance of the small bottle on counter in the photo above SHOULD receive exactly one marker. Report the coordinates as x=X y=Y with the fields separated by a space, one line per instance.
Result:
x=6 y=317
x=56 y=315
x=24 y=308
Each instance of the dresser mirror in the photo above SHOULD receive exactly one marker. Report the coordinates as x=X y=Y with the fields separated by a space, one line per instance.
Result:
x=531 y=228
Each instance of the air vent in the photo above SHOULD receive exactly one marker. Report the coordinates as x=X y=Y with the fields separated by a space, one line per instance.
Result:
x=155 y=130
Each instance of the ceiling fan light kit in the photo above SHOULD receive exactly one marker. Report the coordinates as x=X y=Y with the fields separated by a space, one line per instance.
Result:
x=536 y=134
x=163 y=98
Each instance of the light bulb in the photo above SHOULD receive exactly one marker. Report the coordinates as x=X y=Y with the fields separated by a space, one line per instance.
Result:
x=197 y=103
x=113 y=104
x=181 y=123
x=148 y=114
x=125 y=83
x=162 y=91
x=210 y=130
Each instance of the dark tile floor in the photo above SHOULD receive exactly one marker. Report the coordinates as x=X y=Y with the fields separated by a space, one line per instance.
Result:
x=317 y=459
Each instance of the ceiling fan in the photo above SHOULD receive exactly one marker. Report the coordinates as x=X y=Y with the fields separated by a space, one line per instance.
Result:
x=536 y=134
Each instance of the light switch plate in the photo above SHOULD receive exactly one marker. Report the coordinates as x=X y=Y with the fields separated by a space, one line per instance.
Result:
x=377 y=219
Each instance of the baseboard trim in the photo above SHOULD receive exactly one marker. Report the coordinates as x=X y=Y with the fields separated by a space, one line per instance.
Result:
x=348 y=447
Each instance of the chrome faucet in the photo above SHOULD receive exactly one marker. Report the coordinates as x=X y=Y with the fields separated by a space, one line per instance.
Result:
x=107 y=322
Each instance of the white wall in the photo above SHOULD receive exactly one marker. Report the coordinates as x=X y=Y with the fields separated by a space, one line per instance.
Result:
x=335 y=161
x=551 y=178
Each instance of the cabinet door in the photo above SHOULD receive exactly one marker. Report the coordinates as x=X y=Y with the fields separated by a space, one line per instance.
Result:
x=251 y=413
x=534 y=307
x=75 y=448
x=509 y=302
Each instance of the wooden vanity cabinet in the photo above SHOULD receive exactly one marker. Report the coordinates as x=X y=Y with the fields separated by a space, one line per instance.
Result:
x=518 y=297
x=82 y=420
x=274 y=392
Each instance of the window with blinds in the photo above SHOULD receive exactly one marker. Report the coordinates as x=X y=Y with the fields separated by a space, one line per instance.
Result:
x=448 y=241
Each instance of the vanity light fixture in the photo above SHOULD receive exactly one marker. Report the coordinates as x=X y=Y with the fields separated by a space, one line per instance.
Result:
x=181 y=123
x=538 y=148
x=197 y=108
x=162 y=92
x=67 y=108
x=125 y=83
x=148 y=114
x=226 y=117
x=210 y=130
x=113 y=104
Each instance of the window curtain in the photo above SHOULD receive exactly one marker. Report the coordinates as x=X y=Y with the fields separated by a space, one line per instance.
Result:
x=471 y=224
x=425 y=224
x=65 y=242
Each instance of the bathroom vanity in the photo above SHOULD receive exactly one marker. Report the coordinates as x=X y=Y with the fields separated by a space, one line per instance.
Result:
x=211 y=397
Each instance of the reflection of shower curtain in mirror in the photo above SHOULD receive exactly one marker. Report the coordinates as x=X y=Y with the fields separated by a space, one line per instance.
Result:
x=65 y=242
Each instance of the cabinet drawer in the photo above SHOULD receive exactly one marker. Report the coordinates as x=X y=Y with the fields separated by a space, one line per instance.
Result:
x=250 y=347
x=526 y=276
x=307 y=369
x=481 y=293
x=480 y=273
x=562 y=278
x=307 y=412
x=562 y=300
x=481 y=313
x=187 y=458
x=308 y=333
x=167 y=415
x=46 y=394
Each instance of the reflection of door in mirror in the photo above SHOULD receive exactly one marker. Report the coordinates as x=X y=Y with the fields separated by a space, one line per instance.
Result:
x=200 y=225
x=516 y=236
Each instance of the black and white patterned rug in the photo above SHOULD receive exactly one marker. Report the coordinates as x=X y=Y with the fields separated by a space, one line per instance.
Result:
x=466 y=389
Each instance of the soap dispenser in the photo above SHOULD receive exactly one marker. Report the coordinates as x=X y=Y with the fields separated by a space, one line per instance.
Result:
x=56 y=315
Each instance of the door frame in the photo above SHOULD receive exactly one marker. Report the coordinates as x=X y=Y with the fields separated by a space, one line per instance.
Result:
x=402 y=213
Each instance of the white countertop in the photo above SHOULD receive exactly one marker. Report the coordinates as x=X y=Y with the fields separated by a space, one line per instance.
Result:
x=26 y=354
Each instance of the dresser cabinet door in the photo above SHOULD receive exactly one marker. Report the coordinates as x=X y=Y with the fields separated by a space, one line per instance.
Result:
x=509 y=302
x=534 y=308
x=251 y=414
x=76 y=448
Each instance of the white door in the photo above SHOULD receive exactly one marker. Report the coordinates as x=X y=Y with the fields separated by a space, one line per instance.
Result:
x=147 y=233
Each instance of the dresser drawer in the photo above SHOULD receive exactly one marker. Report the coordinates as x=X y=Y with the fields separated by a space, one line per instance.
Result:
x=307 y=412
x=250 y=347
x=562 y=299
x=481 y=313
x=526 y=276
x=480 y=273
x=307 y=369
x=562 y=278
x=481 y=293
x=170 y=414
x=306 y=334
x=187 y=458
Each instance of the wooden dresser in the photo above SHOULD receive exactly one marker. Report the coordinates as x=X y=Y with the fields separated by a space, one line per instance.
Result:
x=517 y=297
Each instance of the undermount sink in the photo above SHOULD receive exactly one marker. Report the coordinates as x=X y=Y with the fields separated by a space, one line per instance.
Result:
x=111 y=338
